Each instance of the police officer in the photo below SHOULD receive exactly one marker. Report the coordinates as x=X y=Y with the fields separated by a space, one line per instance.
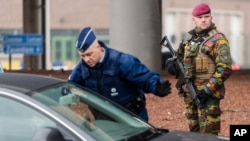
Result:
x=207 y=63
x=116 y=75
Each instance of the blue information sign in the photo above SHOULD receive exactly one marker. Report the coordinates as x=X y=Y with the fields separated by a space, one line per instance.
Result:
x=23 y=44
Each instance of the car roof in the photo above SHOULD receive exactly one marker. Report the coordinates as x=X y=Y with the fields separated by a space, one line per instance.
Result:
x=24 y=82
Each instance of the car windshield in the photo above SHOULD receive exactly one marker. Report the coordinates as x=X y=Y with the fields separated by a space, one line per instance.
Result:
x=93 y=113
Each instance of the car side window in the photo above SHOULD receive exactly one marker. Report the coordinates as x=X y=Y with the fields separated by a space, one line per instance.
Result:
x=20 y=122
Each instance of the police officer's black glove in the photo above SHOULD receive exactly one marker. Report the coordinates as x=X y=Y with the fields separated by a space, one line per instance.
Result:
x=203 y=97
x=171 y=67
x=163 y=89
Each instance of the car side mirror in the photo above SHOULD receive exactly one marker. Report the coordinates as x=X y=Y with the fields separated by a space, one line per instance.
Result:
x=48 y=134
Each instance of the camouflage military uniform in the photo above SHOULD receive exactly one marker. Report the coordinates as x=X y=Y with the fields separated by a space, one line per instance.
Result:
x=207 y=62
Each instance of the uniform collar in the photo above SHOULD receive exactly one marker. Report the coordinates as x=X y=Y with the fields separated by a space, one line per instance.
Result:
x=194 y=32
x=104 y=53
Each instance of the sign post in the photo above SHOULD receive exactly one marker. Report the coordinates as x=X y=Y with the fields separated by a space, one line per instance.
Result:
x=23 y=44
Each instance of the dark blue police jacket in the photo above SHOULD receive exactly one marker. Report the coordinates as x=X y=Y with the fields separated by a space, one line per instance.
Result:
x=120 y=77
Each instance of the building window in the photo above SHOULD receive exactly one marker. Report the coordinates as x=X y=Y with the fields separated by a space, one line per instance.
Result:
x=58 y=54
x=69 y=47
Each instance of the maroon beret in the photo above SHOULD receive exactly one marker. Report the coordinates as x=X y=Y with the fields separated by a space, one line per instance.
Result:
x=201 y=9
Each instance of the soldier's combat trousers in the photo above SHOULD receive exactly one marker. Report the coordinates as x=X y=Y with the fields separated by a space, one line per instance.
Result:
x=205 y=120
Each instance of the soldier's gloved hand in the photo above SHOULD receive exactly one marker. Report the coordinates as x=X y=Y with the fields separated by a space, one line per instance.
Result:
x=203 y=96
x=163 y=89
x=171 y=67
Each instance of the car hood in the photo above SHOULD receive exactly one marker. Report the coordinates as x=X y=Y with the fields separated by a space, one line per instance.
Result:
x=173 y=135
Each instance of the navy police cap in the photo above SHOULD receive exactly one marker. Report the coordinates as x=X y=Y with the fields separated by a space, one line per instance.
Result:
x=85 y=39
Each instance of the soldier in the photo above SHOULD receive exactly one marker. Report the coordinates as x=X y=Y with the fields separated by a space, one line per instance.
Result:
x=118 y=76
x=207 y=62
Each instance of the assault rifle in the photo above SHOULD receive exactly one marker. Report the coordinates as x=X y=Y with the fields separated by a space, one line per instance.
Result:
x=182 y=80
